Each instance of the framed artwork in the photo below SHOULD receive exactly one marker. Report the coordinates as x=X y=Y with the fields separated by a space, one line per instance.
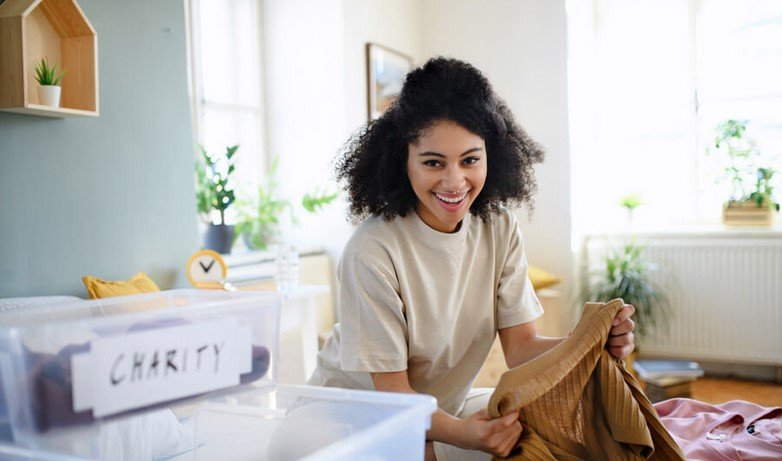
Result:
x=386 y=70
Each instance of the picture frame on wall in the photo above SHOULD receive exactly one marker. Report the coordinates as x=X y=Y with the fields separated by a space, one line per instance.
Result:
x=386 y=70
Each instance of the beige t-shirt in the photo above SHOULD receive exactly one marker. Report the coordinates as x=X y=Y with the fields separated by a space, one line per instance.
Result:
x=415 y=299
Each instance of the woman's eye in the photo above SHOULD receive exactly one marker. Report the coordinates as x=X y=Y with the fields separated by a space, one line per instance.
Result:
x=471 y=160
x=431 y=163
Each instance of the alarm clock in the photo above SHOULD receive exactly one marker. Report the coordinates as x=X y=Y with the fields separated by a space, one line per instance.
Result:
x=206 y=269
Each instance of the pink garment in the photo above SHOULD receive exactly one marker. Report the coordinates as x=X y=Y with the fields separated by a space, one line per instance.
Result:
x=736 y=430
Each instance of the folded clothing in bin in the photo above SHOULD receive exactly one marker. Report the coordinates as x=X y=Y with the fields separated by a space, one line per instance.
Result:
x=52 y=386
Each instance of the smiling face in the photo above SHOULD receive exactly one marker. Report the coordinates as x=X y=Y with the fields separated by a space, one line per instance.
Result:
x=447 y=169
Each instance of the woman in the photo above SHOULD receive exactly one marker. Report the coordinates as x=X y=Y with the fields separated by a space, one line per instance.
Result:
x=437 y=267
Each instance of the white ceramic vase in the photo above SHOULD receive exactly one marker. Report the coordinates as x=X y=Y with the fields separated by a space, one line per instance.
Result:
x=49 y=95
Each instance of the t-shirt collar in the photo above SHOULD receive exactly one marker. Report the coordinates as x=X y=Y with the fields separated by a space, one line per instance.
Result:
x=437 y=238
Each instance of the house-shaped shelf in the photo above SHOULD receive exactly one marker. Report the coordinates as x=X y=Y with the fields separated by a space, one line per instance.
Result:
x=56 y=30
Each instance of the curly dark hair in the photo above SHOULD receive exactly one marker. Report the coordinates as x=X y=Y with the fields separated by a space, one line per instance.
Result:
x=372 y=167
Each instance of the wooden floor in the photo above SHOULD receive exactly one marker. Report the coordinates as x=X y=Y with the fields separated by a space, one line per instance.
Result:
x=714 y=390
x=709 y=390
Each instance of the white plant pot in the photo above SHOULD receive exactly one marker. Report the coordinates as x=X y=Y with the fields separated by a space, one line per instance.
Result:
x=49 y=95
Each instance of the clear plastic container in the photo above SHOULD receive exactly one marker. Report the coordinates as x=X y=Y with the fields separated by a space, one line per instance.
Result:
x=68 y=371
x=275 y=424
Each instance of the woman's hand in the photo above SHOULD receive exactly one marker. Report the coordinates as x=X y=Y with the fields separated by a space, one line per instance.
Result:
x=495 y=436
x=621 y=341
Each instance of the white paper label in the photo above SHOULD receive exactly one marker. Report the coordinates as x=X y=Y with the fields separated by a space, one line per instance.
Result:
x=143 y=368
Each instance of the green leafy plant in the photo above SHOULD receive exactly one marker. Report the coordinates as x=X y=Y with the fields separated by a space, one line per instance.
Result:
x=764 y=190
x=315 y=201
x=743 y=157
x=627 y=275
x=213 y=188
x=631 y=201
x=46 y=75
x=259 y=217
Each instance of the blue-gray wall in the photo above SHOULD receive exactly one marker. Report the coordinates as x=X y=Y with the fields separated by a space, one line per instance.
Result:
x=111 y=195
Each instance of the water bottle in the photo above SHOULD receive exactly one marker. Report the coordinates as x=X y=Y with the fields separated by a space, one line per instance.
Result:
x=287 y=276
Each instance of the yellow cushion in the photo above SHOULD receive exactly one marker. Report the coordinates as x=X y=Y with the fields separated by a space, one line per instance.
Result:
x=99 y=288
x=540 y=278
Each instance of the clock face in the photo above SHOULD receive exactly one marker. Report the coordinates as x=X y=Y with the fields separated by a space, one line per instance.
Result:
x=206 y=268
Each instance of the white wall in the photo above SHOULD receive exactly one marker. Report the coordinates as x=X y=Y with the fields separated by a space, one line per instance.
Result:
x=394 y=24
x=316 y=92
x=521 y=47
x=305 y=68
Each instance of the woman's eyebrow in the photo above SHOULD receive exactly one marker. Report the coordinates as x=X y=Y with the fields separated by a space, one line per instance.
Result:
x=437 y=154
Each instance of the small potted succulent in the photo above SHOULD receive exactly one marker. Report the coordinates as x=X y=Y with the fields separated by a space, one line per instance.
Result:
x=214 y=195
x=49 y=79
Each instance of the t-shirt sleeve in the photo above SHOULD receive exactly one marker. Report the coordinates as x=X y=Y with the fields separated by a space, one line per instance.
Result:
x=373 y=327
x=517 y=302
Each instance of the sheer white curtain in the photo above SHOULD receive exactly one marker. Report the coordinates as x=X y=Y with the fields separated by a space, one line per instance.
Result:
x=648 y=82
x=227 y=82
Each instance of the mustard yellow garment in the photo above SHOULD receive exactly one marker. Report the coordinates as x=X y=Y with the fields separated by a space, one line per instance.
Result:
x=579 y=403
x=98 y=288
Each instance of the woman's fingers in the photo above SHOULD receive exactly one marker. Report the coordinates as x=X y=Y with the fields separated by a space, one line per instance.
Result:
x=510 y=437
x=622 y=340
x=499 y=424
x=621 y=352
x=624 y=313
x=503 y=434
x=625 y=327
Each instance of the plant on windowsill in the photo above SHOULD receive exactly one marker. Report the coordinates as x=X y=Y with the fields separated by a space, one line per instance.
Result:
x=627 y=274
x=630 y=202
x=214 y=195
x=49 y=80
x=260 y=217
x=744 y=207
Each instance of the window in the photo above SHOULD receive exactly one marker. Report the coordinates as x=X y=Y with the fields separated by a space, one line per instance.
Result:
x=227 y=85
x=648 y=82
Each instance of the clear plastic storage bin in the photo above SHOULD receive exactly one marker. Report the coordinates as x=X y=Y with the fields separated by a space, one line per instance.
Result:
x=69 y=372
x=276 y=424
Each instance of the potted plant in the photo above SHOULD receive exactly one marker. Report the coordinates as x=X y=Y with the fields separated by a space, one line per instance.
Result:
x=214 y=194
x=49 y=80
x=259 y=217
x=628 y=275
x=630 y=202
x=745 y=206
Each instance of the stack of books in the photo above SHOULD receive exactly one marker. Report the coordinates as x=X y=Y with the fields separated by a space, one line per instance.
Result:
x=666 y=379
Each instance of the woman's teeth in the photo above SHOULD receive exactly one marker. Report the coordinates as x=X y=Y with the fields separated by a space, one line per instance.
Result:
x=451 y=199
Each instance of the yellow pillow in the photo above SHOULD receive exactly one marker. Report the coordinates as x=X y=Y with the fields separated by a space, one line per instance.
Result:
x=540 y=278
x=99 y=288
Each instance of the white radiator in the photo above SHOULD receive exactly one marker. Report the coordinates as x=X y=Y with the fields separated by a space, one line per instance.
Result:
x=725 y=291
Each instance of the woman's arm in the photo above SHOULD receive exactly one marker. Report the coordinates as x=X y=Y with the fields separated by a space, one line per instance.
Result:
x=476 y=432
x=521 y=343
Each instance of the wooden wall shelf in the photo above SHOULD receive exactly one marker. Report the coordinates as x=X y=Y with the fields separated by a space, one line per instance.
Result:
x=59 y=31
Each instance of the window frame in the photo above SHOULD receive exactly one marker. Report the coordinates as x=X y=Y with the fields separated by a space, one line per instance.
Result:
x=199 y=103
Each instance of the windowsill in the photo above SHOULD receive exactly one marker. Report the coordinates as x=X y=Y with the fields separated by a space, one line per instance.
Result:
x=706 y=231
x=246 y=265
x=242 y=256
